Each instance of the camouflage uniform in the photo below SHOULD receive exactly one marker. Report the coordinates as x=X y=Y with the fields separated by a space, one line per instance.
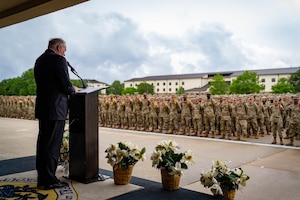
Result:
x=153 y=115
x=175 y=110
x=294 y=125
x=260 y=117
x=266 y=110
x=186 y=116
x=225 y=121
x=163 y=117
x=112 y=112
x=121 y=113
x=128 y=113
x=137 y=116
x=276 y=110
x=145 y=113
x=218 y=116
x=252 y=117
x=209 y=117
x=241 y=119
x=197 y=117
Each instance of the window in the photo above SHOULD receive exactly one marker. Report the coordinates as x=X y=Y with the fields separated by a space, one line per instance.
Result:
x=157 y=84
x=263 y=80
x=170 y=89
x=273 y=80
x=151 y=83
x=164 y=89
x=131 y=85
x=182 y=83
x=176 y=89
x=135 y=84
x=157 y=90
x=170 y=83
x=176 y=83
x=164 y=83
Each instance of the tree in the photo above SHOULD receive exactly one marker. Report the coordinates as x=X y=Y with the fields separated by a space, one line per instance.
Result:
x=145 y=88
x=283 y=86
x=24 y=85
x=115 y=88
x=218 y=85
x=129 y=90
x=246 y=83
x=180 y=90
x=294 y=80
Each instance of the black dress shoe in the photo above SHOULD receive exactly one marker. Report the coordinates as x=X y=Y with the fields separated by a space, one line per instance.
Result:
x=58 y=184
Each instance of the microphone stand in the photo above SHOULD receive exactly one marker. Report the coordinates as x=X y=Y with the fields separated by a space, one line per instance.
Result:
x=75 y=72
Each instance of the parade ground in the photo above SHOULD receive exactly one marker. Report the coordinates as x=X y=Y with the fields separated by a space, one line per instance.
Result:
x=274 y=170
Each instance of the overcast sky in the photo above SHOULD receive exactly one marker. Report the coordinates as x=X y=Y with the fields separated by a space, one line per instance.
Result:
x=124 y=39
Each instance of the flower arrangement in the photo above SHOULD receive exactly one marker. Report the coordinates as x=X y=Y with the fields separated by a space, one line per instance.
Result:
x=220 y=178
x=124 y=154
x=64 y=149
x=166 y=156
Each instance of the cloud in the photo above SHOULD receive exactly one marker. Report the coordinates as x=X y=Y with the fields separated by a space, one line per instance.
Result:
x=125 y=42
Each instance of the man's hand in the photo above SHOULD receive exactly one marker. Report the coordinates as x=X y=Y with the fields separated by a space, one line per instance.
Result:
x=76 y=89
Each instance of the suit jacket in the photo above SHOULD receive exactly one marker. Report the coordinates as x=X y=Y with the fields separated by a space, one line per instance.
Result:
x=52 y=86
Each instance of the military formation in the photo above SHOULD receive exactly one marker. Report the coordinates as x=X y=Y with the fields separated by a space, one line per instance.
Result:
x=236 y=117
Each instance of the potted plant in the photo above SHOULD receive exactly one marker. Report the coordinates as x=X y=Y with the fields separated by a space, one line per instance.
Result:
x=122 y=157
x=222 y=180
x=171 y=162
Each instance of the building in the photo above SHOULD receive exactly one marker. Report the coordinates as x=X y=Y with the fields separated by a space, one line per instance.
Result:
x=95 y=83
x=198 y=82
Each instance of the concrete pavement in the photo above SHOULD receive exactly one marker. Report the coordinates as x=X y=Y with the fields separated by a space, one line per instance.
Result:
x=274 y=170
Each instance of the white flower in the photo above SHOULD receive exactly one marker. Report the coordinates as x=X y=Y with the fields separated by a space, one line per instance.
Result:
x=216 y=189
x=156 y=158
x=176 y=171
x=189 y=157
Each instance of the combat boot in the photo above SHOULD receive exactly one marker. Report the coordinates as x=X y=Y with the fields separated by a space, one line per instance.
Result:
x=222 y=137
x=228 y=137
x=274 y=141
x=281 y=141
x=256 y=136
x=291 y=143
x=212 y=135
x=187 y=132
x=169 y=131
x=237 y=138
x=204 y=134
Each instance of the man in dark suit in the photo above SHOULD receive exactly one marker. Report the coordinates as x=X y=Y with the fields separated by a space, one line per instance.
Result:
x=52 y=89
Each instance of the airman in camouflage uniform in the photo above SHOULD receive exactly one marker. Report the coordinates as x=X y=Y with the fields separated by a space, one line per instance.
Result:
x=276 y=110
x=175 y=110
x=218 y=116
x=153 y=115
x=197 y=116
x=241 y=118
x=137 y=116
x=267 y=122
x=294 y=124
x=209 y=116
x=186 y=115
x=163 y=116
x=145 y=113
x=121 y=112
x=260 y=116
x=252 y=118
x=128 y=113
x=112 y=112
x=225 y=121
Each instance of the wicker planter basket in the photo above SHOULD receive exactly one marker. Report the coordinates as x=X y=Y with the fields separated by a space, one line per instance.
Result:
x=169 y=182
x=122 y=176
x=228 y=194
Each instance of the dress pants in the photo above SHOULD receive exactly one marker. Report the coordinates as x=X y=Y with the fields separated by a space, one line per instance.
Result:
x=48 y=150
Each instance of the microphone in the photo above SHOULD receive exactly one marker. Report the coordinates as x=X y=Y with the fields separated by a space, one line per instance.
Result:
x=75 y=72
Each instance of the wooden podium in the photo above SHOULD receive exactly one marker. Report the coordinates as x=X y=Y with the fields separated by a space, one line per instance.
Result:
x=83 y=145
